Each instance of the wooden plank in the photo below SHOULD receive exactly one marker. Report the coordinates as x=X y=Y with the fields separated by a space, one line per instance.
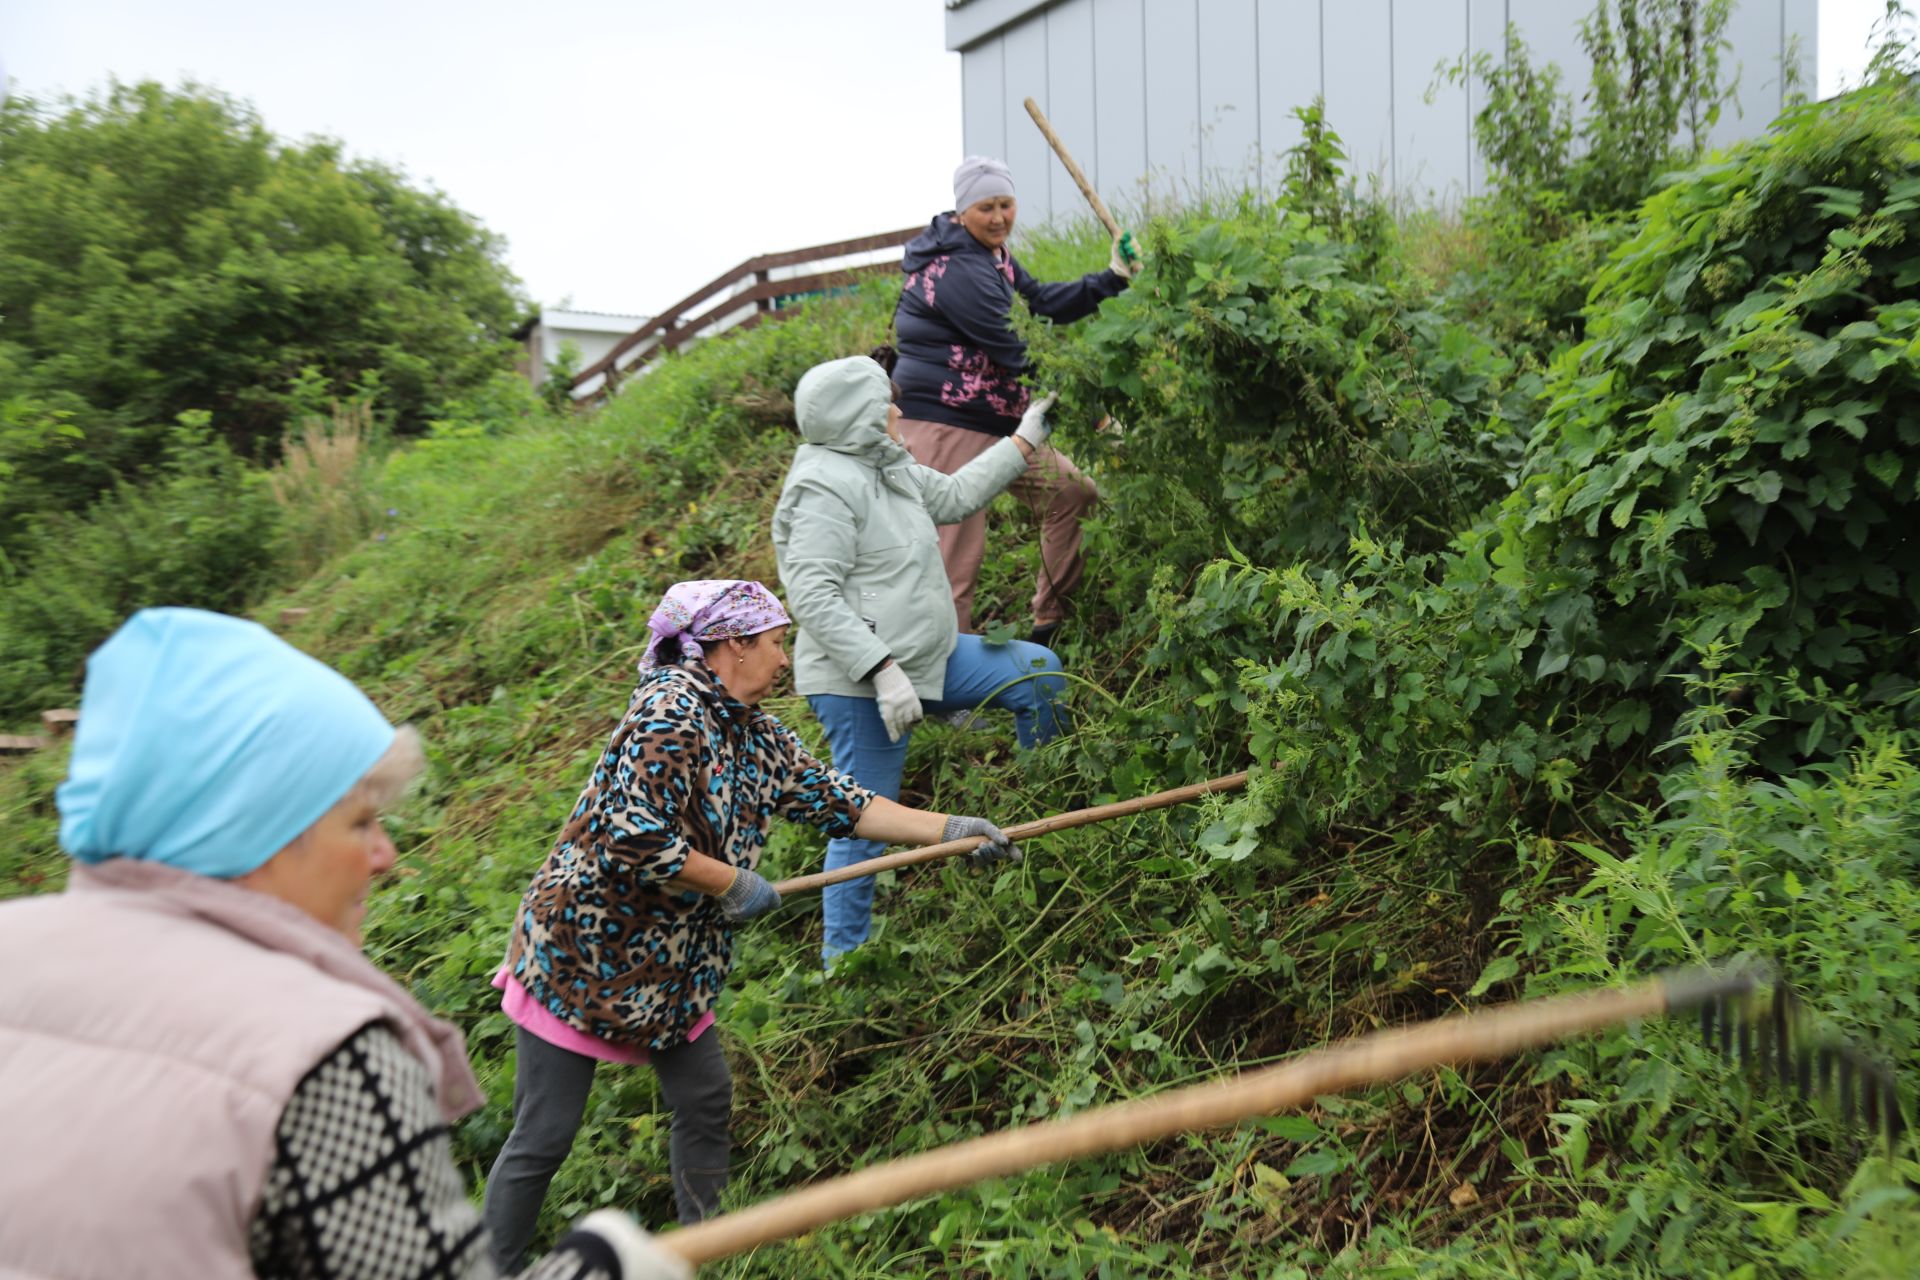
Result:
x=824 y=280
x=14 y=744
x=837 y=249
x=59 y=720
x=669 y=319
x=663 y=321
x=771 y=290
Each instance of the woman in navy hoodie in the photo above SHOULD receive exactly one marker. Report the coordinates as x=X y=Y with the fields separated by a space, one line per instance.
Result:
x=959 y=373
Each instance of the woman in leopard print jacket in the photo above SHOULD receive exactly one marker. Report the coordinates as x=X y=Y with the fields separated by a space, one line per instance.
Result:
x=623 y=941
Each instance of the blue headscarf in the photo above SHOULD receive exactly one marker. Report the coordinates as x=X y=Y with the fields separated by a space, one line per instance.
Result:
x=208 y=743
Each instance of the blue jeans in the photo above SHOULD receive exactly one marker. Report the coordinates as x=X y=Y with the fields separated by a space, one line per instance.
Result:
x=857 y=743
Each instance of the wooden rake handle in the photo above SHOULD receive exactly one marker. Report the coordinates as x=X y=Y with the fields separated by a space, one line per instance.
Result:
x=1079 y=178
x=1375 y=1059
x=1023 y=831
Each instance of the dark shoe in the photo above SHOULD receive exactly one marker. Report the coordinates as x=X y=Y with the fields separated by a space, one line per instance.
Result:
x=1043 y=633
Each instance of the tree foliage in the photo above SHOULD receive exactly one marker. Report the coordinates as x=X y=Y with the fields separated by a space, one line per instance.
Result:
x=161 y=252
x=1729 y=457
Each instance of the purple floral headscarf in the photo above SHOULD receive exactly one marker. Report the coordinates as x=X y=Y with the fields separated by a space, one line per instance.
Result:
x=708 y=609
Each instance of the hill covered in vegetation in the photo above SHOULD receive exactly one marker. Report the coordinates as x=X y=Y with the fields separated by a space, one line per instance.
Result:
x=1568 y=643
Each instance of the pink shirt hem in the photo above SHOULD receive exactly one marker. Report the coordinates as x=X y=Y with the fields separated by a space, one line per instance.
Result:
x=526 y=1013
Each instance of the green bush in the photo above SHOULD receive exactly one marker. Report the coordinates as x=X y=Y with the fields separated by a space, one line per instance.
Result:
x=1283 y=383
x=162 y=253
x=202 y=531
x=1728 y=455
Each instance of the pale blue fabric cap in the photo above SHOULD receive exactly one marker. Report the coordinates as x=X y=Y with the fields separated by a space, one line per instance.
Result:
x=208 y=743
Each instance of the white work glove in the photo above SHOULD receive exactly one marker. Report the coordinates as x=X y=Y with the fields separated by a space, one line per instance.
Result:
x=998 y=846
x=1034 y=427
x=1126 y=260
x=638 y=1256
x=900 y=708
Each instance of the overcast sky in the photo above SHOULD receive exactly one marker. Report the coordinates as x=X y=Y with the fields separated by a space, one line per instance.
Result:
x=628 y=151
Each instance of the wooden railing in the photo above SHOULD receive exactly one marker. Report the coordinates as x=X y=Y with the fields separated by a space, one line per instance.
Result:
x=674 y=328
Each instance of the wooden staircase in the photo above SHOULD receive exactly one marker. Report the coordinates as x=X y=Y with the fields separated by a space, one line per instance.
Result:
x=721 y=304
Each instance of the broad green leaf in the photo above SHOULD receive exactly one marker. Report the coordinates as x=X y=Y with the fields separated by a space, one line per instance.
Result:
x=1499 y=969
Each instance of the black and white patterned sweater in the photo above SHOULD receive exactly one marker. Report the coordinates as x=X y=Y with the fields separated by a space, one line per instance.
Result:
x=363 y=1184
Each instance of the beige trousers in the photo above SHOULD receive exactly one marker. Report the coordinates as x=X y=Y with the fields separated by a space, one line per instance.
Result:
x=1052 y=488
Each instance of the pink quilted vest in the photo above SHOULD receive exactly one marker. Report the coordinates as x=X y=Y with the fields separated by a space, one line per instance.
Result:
x=153 y=1024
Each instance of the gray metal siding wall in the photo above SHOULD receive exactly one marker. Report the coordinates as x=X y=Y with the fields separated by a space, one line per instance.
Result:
x=1164 y=98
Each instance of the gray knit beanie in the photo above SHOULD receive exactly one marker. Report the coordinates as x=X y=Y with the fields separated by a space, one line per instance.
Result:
x=979 y=178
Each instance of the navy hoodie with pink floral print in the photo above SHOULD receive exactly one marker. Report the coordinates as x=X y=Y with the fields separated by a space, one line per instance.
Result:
x=960 y=361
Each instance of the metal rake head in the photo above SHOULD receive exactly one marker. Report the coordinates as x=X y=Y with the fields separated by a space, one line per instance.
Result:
x=1773 y=1035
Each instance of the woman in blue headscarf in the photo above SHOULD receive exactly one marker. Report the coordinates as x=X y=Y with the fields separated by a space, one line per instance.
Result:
x=219 y=1083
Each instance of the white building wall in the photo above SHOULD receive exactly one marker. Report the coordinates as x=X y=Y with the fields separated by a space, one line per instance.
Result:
x=593 y=333
x=1160 y=98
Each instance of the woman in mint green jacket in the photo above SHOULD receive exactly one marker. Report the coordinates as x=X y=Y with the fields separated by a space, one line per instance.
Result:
x=878 y=642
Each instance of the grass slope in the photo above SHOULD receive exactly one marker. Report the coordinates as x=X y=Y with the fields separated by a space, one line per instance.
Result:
x=502 y=611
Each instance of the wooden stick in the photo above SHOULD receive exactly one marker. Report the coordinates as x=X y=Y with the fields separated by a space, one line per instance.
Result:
x=1023 y=831
x=1370 y=1060
x=1086 y=188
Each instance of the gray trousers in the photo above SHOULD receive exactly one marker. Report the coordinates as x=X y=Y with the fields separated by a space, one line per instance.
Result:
x=550 y=1098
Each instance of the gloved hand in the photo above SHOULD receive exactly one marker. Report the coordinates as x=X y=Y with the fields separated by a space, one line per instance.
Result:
x=997 y=847
x=899 y=705
x=1034 y=427
x=1126 y=262
x=639 y=1257
x=748 y=896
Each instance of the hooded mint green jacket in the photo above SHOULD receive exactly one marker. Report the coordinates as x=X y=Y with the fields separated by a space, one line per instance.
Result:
x=853 y=535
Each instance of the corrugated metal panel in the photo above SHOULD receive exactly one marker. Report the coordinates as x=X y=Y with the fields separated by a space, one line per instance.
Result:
x=1070 y=84
x=1551 y=29
x=1025 y=151
x=1181 y=95
x=1120 y=101
x=1754 y=27
x=1800 y=38
x=983 y=102
x=1359 y=76
x=1431 y=153
x=1230 y=93
x=971 y=21
x=1172 y=39
x=1288 y=43
x=1486 y=33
